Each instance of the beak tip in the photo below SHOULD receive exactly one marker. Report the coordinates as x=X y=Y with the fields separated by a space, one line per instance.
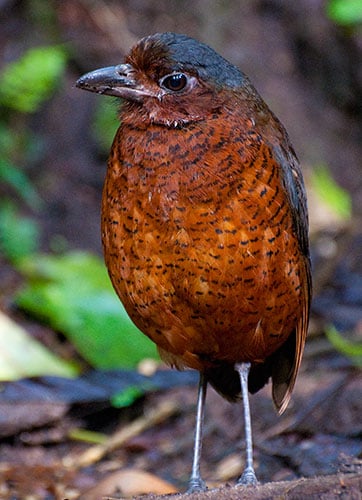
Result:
x=98 y=80
x=78 y=83
x=83 y=82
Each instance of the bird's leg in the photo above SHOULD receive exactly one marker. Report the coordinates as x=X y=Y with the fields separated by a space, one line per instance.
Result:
x=196 y=483
x=248 y=476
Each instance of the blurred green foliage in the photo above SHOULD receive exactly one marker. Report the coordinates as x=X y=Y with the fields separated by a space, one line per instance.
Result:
x=331 y=193
x=353 y=350
x=19 y=235
x=32 y=79
x=128 y=396
x=105 y=124
x=345 y=12
x=20 y=183
x=24 y=85
x=86 y=436
x=43 y=16
x=73 y=293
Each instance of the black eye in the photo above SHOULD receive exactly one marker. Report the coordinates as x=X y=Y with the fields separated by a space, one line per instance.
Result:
x=175 y=82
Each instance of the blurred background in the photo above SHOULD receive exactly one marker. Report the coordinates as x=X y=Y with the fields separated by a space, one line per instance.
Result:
x=58 y=313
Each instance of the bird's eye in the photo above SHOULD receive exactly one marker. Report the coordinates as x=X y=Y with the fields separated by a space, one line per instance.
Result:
x=174 y=82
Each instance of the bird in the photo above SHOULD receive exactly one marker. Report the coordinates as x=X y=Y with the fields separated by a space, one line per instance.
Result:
x=205 y=224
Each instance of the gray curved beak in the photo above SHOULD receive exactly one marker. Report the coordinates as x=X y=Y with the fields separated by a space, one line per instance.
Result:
x=118 y=81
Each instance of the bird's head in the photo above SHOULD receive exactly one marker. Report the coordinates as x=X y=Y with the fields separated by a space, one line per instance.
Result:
x=169 y=79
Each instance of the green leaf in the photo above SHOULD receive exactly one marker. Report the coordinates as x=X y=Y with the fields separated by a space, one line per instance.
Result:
x=73 y=294
x=30 y=80
x=19 y=236
x=105 y=124
x=352 y=350
x=87 y=436
x=8 y=140
x=345 y=12
x=14 y=177
x=21 y=356
x=128 y=396
x=330 y=193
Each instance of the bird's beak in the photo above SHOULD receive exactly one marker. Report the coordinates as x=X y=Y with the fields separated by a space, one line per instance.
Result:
x=118 y=81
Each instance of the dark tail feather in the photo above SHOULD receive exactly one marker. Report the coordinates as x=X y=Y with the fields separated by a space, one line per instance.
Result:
x=279 y=366
x=225 y=380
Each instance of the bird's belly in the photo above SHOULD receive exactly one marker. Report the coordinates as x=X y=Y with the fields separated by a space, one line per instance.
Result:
x=216 y=291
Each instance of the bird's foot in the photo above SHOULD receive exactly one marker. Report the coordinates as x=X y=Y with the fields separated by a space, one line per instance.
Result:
x=196 y=485
x=248 y=477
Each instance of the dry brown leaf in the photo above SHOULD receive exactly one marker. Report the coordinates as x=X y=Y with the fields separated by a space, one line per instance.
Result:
x=129 y=483
x=230 y=467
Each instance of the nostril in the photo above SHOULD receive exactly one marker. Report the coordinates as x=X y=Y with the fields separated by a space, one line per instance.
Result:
x=123 y=69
